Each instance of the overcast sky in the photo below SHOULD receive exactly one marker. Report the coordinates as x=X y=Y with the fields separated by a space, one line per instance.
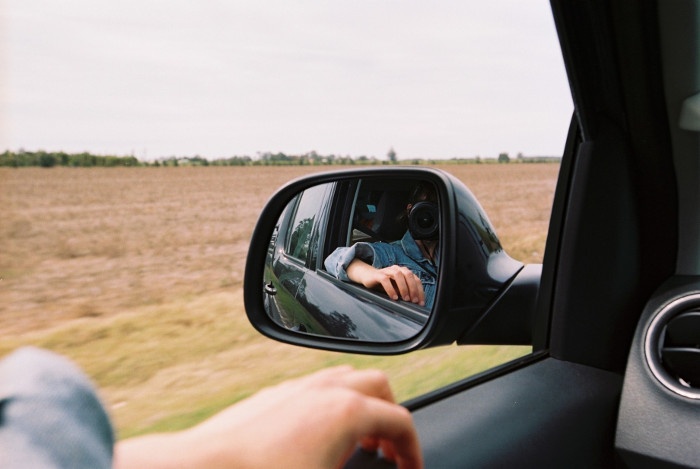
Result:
x=435 y=79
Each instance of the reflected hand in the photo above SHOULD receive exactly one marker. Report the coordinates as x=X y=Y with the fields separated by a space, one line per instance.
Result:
x=396 y=281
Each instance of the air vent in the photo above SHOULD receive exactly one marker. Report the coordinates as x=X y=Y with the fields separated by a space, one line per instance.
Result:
x=672 y=346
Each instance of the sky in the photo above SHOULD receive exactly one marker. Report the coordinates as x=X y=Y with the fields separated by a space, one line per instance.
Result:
x=159 y=78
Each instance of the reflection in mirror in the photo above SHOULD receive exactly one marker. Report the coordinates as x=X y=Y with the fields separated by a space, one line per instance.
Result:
x=356 y=259
x=395 y=248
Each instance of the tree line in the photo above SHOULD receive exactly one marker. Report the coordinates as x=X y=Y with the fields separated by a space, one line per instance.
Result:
x=46 y=159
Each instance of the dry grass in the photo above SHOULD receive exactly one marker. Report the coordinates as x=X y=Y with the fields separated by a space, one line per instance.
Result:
x=136 y=274
x=92 y=242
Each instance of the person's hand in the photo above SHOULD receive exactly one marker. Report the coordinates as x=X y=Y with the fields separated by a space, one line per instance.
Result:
x=311 y=422
x=397 y=282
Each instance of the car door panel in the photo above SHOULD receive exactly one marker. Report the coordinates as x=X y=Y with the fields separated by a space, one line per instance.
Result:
x=343 y=313
x=548 y=414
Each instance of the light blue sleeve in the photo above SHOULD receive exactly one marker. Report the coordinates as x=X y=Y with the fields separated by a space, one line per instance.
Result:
x=50 y=415
x=338 y=260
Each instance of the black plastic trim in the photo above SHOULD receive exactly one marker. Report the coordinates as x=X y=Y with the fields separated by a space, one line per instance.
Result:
x=549 y=413
x=474 y=380
x=657 y=427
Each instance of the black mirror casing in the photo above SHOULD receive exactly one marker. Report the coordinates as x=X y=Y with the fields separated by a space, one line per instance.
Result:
x=473 y=267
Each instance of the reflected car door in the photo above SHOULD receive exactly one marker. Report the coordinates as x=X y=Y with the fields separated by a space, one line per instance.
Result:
x=296 y=245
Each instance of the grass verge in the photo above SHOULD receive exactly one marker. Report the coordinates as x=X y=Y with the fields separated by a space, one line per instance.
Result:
x=167 y=367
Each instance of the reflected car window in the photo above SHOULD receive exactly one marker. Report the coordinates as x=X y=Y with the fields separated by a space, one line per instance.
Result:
x=301 y=228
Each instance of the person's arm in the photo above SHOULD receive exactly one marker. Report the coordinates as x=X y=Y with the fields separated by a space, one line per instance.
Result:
x=337 y=262
x=397 y=282
x=311 y=422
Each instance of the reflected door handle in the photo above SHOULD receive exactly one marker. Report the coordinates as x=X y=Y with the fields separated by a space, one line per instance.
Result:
x=270 y=289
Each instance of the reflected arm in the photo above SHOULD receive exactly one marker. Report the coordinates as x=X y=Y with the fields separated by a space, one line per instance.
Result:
x=397 y=282
x=353 y=264
x=338 y=261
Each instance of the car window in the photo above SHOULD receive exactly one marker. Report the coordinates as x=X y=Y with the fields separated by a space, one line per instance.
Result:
x=302 y=228
x=148 y=262
x=381 y=208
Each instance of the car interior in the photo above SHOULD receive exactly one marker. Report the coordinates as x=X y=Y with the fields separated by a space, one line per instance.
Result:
x=377 y=212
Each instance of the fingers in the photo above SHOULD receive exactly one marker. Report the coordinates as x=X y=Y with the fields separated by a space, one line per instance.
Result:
x=372 y=383
x=376 y=421
x=391 y=427
x=396 y=281
x=401 y=282
x=369 y=382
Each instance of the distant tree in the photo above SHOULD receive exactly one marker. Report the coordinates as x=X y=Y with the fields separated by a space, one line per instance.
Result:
x=316 y=158
x=503 y=158
x=8 y=159
x=46 y=160
x=391 y=155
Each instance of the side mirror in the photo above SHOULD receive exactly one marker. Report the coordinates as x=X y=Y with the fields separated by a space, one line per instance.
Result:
x=297 y=288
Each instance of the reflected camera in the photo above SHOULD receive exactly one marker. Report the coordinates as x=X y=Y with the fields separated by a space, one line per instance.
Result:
x=423 y=221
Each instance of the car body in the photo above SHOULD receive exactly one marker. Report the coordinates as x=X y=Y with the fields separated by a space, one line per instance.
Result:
x=612 y=379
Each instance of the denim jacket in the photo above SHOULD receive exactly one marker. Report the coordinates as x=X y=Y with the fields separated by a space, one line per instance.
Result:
x=404 y=252
x=50 y=414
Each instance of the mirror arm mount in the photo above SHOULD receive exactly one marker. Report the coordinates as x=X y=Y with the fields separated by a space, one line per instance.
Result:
x=515 y=306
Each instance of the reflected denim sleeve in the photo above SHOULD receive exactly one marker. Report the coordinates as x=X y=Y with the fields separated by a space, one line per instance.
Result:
x=385 y=255
x=338 y=260
x=50 y=415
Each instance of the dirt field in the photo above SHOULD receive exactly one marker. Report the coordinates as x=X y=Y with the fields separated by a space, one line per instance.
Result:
x=136 y=273
x=94 y=242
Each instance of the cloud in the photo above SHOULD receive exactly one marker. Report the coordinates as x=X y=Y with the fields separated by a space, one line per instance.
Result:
x=224 y=78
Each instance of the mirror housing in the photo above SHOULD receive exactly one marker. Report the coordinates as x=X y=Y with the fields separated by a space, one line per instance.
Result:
x=475 y=273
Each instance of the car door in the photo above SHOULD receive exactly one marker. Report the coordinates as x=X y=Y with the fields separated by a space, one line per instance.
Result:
x=295 y=243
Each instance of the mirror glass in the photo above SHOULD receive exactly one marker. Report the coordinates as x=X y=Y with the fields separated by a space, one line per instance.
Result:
x=356 y=259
